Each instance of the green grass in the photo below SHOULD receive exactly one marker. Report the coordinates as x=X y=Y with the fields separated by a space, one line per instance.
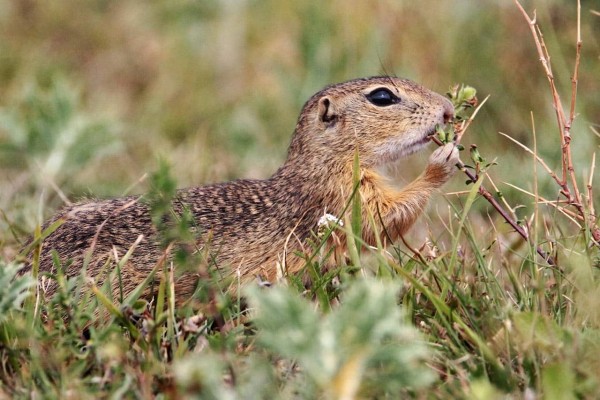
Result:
x=464 y=309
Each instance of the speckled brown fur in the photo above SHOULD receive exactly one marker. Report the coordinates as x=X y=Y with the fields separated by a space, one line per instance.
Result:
x=255 y=224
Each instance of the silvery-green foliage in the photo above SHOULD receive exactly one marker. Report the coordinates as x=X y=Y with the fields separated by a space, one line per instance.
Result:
x=365 y=342
x=13 y=289
x=47 y=132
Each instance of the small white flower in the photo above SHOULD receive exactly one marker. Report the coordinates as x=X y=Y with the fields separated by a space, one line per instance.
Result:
x=327 y=218
x=326 y=222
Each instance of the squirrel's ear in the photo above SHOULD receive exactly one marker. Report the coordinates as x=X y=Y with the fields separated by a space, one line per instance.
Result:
x=326 y=111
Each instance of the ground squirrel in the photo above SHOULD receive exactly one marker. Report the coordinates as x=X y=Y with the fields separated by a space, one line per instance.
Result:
x=255 y=226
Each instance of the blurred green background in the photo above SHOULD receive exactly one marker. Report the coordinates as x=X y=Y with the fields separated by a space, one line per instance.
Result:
x=92 y=93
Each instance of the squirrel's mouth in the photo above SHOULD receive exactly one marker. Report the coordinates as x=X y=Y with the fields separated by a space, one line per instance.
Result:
x=418 y=144
x=421 y=144
x=401 y=147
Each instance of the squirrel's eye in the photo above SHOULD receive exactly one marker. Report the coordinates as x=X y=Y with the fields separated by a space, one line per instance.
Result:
x=382 y=97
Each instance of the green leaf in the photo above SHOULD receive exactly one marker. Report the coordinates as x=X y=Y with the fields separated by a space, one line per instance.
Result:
x=356 y=204
x=558 y=382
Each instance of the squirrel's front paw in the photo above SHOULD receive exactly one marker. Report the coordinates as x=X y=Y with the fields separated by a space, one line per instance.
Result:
x=442 y=162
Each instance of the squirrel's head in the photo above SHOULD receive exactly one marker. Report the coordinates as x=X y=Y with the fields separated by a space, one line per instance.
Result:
x=386 y=118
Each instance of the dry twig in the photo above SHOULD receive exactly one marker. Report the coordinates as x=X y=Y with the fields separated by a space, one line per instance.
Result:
x=568 y=183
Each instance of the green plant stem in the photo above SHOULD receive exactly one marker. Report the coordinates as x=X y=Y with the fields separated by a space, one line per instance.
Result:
x=490 y=198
